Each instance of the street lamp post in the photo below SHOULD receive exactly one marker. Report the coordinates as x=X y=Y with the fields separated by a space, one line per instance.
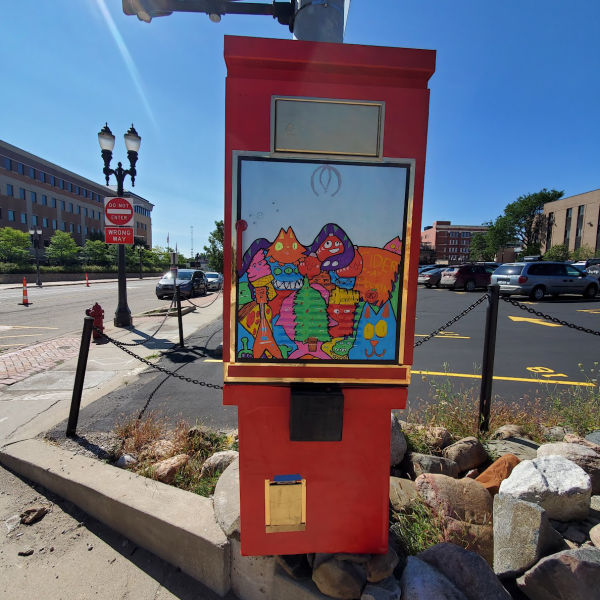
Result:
x=107 y=143
x=36 y=238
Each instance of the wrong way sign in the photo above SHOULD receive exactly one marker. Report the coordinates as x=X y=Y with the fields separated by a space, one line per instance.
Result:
x=118 y=235
x=118 y=211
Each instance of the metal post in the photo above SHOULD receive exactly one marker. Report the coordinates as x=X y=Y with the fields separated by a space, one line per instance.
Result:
x=320 y=21
x=140 y=253
x=179 y=319
x=37 y=262
x=122 y=314
x=84 y=348
x=489 y=351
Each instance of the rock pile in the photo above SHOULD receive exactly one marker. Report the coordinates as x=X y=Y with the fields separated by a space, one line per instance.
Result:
x=528 y=522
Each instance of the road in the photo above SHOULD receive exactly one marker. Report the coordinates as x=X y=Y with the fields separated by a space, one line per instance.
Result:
x=59 y=310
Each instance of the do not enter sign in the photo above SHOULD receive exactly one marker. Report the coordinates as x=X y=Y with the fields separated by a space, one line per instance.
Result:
x=118 y=211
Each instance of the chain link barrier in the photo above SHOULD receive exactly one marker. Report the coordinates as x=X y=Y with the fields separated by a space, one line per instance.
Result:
x=122 y=346
x=549 y=317
x=145 y=341
x=206 y=305
x=456 y=318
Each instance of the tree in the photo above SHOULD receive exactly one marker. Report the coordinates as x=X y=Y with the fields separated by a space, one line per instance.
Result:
x=14 y=245
x=62 y=249
x=95 y=252
x=214 y=250
x=485 y=246
x=558 y=252
x=582 y=253
x=526 y=220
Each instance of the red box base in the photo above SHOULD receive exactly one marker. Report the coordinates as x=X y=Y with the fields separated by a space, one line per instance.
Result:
x=347 y=482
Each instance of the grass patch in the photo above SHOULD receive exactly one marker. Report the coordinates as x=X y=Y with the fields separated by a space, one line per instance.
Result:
x=151 y=439
x=417 y=528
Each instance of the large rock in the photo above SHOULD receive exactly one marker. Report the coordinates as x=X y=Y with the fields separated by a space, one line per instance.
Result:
x=508 y=431
x=568 y=575
x=467 y=453
x=219 y=461
x=434 y=436
x=522 y=448
x=166 y=469
x=522 y=535
x=468 y=571
x=471 y=536
x=586 y=458
x=226 y=499
x=388 y=589
x=555 y=483
x=402 y=493
x=571 y=438
x=497 y=472
x=594 y=437
x=381 y=566
x=398 y=443
x=421 y=581
x=595 y=535
x=463 y=499
x=339 y=579
x=427 y=463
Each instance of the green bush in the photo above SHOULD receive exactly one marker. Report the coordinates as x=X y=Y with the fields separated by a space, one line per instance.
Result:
x=10 y=267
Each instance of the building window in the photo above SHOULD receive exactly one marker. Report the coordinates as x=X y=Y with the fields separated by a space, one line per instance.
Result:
x=465 y=234
x=568 y=226
x=85 y=211
x=453 y=234
x=70 y=207
x=69 y=186
x=44 y=200
x=71 y=227
x=549 y=231
x=85 y=230
x=75 y=189
x=24 y=218
x=53 y=223
x=44 y=221
x=78 y=209
x=52 y=181
x=10 y=191
x=63 y=226
x=7 y=163
x=31 y=172
x=42 y=176
x=20 y=169
x=61 y=184
x=53 y=202
x=22 y=193
x=62 y=205
x=579 y=228
x=34 y=219
x=33 y=197
x=78 y=228
x=11 y=215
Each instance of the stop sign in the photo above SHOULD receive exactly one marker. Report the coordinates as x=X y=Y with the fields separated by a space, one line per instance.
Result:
x=118 y=211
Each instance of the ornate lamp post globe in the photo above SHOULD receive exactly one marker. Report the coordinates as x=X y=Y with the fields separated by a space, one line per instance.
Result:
x=106 y=139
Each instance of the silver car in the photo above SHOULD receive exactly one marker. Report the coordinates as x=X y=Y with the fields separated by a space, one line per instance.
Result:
x=536 y=279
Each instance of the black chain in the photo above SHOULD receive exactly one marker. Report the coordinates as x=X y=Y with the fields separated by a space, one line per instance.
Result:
x=206 y=305
x=150 y=336
x=456 y=318
x=122 y=345
x=548 y=317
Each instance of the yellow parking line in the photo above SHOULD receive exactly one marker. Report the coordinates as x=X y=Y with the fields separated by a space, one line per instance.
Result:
x=502 y=378
x=213 y=360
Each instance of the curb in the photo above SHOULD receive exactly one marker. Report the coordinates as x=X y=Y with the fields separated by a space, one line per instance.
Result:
x=178 y=526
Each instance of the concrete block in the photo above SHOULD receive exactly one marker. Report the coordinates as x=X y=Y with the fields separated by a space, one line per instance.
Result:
x=178 y=526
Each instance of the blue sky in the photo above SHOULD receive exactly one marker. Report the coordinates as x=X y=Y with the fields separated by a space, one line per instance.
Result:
x=514 y=100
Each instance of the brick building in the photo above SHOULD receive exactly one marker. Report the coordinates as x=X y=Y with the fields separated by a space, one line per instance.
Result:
x=451 y=243
x=35 y=193
x=574 y=222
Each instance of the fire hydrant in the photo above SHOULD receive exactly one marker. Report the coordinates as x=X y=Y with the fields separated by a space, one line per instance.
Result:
x=98 y=314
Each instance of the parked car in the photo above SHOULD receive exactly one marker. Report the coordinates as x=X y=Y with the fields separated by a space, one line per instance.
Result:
x=536 y=279
x=431 y=277
x=427 y=267
x=467 y=277
x=215 y=280
x=191 y=282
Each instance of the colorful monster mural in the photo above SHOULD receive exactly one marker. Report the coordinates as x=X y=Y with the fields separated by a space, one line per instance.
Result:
x=329 y=300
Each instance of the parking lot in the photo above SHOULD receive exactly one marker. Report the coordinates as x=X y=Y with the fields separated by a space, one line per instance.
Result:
x=534 y=357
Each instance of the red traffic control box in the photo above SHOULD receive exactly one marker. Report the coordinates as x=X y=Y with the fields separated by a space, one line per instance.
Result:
x=324 y=169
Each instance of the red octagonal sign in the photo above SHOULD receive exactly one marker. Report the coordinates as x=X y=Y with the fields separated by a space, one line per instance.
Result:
x=118 y=211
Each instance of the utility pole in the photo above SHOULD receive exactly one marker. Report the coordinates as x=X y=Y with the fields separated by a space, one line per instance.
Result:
x=192 y=241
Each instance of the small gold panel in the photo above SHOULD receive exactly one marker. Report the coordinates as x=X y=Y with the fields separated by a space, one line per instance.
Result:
x=285 y=506
x=323 y=126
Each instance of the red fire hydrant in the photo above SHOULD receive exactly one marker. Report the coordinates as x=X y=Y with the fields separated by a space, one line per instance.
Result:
x=98 y=314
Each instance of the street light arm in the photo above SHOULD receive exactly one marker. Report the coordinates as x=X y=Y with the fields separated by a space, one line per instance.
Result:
x=145 y=10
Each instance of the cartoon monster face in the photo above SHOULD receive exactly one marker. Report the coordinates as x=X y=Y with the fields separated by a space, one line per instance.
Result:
x=258 y=267
x=376 y=335
x=342 y=316
x=286 y=276
x=330 y=248
x=286 y=248
x=346 y=283
x=342 y=347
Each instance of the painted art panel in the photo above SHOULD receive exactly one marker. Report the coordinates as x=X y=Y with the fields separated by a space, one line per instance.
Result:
x=320 y=270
